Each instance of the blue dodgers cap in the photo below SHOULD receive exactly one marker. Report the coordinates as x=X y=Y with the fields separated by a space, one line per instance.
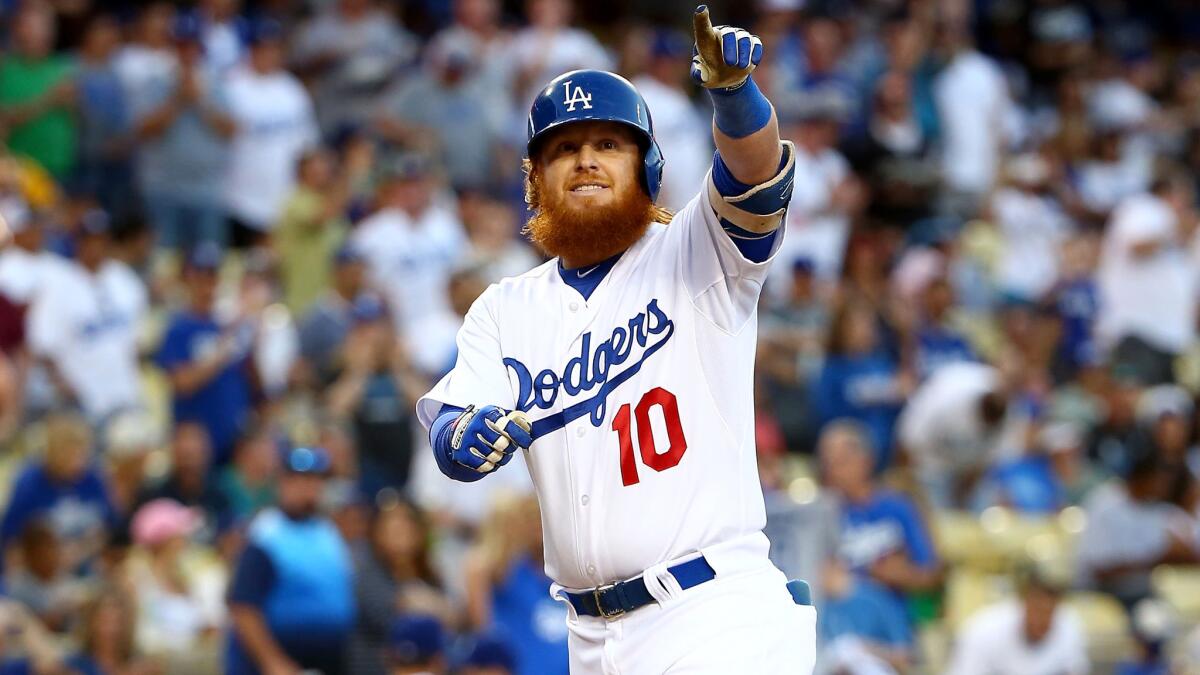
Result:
x=415 y=639
x=187 y=28
x=264 y=30
x=490 y=651
x=206 y=256
x=306 y=459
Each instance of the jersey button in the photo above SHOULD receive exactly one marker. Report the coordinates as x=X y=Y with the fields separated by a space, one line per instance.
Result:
x=579 y=432
x=591 y=570
x=584 y=500
x=574 y=306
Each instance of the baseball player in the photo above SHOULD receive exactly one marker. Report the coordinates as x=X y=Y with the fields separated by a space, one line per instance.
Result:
x=623 y=369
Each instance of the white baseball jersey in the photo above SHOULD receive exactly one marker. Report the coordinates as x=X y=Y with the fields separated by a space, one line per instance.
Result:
x=641 y=397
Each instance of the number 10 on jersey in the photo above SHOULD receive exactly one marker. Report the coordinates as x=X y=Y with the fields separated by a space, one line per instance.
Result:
x=623 y=425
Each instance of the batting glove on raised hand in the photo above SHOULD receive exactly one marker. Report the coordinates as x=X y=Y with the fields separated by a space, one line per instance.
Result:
x=485 y=438
x=723 y=56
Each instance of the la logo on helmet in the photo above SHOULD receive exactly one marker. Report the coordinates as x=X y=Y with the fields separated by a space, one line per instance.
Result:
x=576 y=95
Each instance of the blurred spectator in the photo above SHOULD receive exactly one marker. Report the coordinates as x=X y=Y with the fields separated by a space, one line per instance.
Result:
x=1076 y=301
x=937 y=341
x=826 y=195
x=83 y=325
x=312 y=227
x=1131 y=530
x=292 y=596
x=862 y=629
x=884 y=538
x=348 y=52
x=43 y=582
x=394 y=574
x=548 y=47
x=323 y=330
x=208 y=364
x=27 y=646
x=679 y=127
x=508 y=590
x=1074 y=473
x=189 y=479
x=106 y=139
x=38 y=93
x=411 y=243
x=1030 y=635
x=378 y=390
x=183 y=124
x=177 y=616
x=791 y=349
x=1032 y=225
x=130 y=438
x=275 y=123
x=1166 y=413
x=148 y=56
x=477 y=24
x=955 y=425
x=25 y=266
x=895 y=157
x=445 y=110
x=107 y=639
x=859 y=380
x=416 y=646
x=63 y=488
x=495 y=252
x=223 y=31
x=1116 y=440
x=248 y=484
x=1106 y=177
x=1147 y=280
x=976 y=116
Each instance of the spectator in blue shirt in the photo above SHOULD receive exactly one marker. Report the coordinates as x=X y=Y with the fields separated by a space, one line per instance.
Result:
x=937 y=343
x=883 y=536
x=859 y=380
x=209 y=365
x=105 y=170
x=291 y=599
x=509 y=592
x=64 y=489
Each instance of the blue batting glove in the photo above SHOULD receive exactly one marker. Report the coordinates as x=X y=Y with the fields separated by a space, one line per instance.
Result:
x=485 y=438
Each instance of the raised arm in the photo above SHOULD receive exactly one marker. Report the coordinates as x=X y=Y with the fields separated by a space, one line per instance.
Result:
x=753 y=167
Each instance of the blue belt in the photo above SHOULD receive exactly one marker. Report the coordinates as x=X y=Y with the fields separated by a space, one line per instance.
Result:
x=616 y=599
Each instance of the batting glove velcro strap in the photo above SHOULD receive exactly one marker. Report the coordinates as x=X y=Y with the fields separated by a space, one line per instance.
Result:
x=485 y=438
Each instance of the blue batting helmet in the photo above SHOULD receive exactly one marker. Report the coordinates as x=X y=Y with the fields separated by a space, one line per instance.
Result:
x=597 y=95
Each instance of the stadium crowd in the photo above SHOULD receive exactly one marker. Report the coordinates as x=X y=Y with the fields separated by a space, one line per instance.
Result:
x=240 y=237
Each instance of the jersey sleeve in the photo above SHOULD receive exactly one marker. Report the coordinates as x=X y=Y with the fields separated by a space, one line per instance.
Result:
x=724 y=285
x=479 y=375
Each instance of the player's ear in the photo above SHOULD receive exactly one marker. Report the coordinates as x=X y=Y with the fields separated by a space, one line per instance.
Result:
x=531 y=189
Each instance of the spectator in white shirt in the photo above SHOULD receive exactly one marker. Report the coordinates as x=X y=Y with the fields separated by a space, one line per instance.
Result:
x=681 y=130
x=1131 y=530
x=149 y=55
x=975 y=111
x=1030 y=635
x=276 y=124
x=548 y=48
x=84 y=325
x=349 y=52
x=955 y=425
x=826 y=195
x=1033 y=227
x=24 y=266
x=1147 y=280
x=412 y=243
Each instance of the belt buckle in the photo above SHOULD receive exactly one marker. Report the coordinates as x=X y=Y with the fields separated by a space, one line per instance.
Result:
x=600 y=607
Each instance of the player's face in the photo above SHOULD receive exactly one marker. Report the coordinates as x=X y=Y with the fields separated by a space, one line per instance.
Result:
x=591 y=163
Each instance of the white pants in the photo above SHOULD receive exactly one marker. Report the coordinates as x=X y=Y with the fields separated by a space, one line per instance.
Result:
x=740 y=623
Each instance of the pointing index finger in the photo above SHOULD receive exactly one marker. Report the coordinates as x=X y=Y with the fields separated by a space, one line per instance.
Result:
x=706 y=37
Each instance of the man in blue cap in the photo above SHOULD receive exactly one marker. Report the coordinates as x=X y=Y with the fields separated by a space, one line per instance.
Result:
x=291 y=599
x=416 y=645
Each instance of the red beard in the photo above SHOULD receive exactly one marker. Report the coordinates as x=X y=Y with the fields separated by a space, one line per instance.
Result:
x=586 y=236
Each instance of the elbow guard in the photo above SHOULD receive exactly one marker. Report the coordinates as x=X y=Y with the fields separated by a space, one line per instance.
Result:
x=756 y=208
